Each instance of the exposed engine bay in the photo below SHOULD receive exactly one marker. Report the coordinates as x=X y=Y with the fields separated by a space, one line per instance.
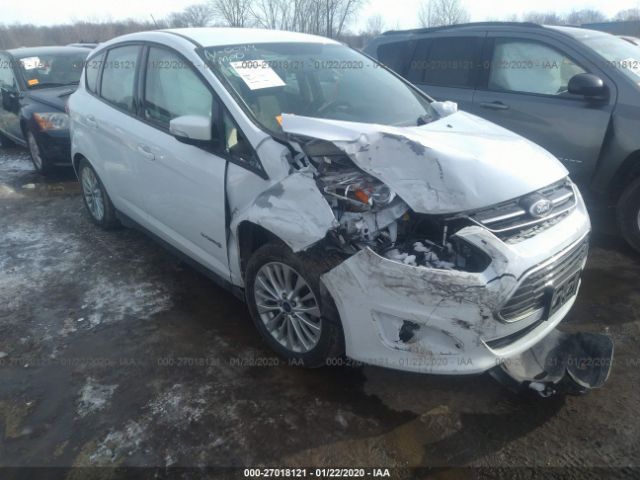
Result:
x=371 y=215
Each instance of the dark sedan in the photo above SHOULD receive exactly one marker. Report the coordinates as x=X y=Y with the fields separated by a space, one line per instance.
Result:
x=35 y=84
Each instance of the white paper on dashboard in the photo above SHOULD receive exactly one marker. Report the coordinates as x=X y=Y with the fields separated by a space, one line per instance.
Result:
x=257 y=74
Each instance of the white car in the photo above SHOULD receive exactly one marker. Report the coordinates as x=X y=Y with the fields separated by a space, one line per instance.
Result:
x=352 y=212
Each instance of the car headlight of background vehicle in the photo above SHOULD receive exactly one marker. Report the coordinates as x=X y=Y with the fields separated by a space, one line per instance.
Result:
x=52 y=120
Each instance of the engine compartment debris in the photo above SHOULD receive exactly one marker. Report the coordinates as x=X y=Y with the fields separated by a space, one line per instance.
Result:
x=420 y=255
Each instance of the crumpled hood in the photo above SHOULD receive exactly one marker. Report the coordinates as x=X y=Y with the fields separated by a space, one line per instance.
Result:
x=457 y=163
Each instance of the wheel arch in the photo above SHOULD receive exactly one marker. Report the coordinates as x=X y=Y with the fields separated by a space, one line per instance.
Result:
x=75 y=161
x=251 y=237
x=627 y=173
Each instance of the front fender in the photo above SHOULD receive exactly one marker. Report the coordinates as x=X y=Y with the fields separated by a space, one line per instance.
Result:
x=293 y=209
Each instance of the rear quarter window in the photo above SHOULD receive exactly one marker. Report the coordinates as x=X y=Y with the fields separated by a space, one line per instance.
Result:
x=92 y=72
x=118 y=76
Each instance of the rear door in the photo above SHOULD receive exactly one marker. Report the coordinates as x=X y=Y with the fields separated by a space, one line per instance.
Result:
x=112 y=118
x=448 y=67
x=525 y=90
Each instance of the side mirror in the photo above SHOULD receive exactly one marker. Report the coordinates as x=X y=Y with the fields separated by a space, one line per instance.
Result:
x=191 y=129
x=9 y=100
x=588 y=85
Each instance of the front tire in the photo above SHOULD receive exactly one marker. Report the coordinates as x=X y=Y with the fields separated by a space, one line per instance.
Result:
x=38 y=158
x=295 y=317
x=95 y=197
x=628 y=212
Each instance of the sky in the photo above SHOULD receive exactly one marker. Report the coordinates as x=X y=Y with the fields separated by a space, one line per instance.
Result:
x=396 y=13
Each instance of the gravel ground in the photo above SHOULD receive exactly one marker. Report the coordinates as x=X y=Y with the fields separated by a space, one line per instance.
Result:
x=114 y=353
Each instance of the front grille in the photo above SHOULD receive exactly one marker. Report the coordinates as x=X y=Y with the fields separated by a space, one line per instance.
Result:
x=511 y=221
x=530 y=295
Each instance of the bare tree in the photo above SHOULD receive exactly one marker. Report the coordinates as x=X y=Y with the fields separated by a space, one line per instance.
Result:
x=544 y=18
x=435 y=13
x=586 y=15
x=629 y=15
x=321 y=17
x=375 y=25
x=234 y=13
x=199 y=15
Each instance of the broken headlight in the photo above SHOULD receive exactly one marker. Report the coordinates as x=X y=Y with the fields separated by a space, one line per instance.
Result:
x=356 y=190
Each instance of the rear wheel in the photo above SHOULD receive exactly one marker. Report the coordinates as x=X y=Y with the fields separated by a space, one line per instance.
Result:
x=628 y=212
x=295 y=318
x=95 y=197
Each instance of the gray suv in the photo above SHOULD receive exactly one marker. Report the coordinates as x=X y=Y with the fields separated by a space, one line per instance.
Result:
x=574 y=91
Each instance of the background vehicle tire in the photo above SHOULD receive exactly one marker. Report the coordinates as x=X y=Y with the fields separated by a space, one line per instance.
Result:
x=38 y=158
x=291 y=311
x=628 y=212
x=5 y=142
x=95 y=198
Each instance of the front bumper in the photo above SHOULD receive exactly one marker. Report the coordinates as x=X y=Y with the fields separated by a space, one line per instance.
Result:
x=443 y=321
x=55 y=146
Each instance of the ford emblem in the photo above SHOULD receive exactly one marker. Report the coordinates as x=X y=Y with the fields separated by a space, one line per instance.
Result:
x=540 y=208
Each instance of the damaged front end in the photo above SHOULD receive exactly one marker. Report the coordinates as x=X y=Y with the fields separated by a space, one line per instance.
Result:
x=449 y=267
x=560 y=363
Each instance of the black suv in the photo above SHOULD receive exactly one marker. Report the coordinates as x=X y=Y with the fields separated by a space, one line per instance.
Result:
x=574 y=91
x=35 y=84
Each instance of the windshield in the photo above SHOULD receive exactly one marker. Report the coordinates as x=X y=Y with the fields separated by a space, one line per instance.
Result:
x=316 y=80
x=618 y=52
x=52 y=69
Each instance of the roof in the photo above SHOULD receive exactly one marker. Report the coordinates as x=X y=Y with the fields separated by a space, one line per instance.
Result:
x=212 y=37
x=35 y=51
x=463 y=26
x=577 y=32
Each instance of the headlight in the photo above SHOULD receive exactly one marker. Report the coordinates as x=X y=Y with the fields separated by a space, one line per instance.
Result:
x=52 y=120
x=357 y=189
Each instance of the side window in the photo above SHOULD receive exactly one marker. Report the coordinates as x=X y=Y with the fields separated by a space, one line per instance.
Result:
x=118 y=76
x=447 y=62
x=7 y=79
x=530 y=67
x=418 y=63
x=92 y=71
x=173 y=89
x=236 y=144
x=395 y=55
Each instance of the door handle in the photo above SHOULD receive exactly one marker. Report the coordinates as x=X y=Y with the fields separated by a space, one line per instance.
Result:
x=146 y=152
x=495 y=105
x=91 y=121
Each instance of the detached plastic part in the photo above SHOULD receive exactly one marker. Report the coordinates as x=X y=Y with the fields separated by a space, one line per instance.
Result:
x=562 y=363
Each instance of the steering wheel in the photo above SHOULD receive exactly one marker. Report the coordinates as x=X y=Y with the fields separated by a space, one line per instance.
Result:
x=332 y=105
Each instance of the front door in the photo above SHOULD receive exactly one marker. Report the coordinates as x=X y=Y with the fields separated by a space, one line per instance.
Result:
x=9 y=99
x=526 y=92
x=183 y=185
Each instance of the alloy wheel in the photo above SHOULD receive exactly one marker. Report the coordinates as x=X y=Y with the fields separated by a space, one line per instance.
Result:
x=35 y=151
x=288 y=307
x=92 y=193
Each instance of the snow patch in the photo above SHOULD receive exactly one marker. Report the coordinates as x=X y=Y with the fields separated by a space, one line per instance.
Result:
x=180 y=405
x=94 y=397
x=113 y=301
x=119 y=443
